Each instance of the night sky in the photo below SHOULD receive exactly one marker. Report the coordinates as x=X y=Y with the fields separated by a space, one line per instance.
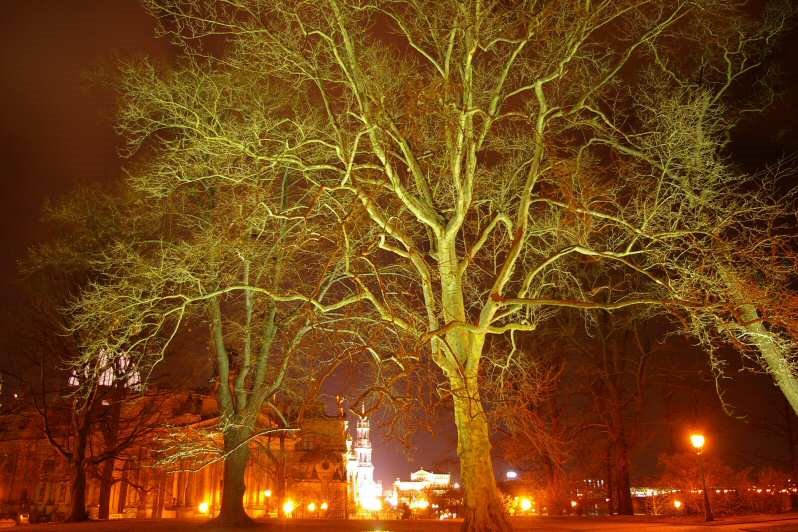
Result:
x=56 y=132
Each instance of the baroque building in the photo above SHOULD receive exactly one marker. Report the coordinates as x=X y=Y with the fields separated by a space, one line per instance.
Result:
x=417 y=492
x=299 y=474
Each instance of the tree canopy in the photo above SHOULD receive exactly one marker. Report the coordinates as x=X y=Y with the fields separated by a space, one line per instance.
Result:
x=452 y=167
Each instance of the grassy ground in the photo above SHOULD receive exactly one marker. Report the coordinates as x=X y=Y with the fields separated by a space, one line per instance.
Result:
x=779 y=523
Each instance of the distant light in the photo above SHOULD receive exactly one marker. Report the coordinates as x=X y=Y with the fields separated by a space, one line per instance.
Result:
x=526 y=504
x=203 y=507
x=512 y=475
x=267 y=493
x=324 y=506
x=456 y=485
x=312 y=507
x=289 y=506
x=573 y=504
x=372 y=504
x=16 y=396
x=697 y=441
x=677 y=504
x=421 y=504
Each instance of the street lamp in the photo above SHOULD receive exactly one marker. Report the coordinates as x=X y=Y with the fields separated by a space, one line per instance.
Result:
x=267 y=495
x=698 y=441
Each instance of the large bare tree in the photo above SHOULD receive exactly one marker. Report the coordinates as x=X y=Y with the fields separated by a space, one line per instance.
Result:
x=71 y=407
x=229 y=245
x=473 y=155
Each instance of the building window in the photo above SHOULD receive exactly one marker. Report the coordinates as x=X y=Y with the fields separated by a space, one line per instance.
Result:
x=308 y=443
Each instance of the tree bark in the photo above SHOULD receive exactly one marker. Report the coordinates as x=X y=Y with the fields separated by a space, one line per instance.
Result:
x=623 y=483
x=281 y=478
x=106 y=483
x=483 y=506
x=232 y=513
x=777 y=362
x=78 y=512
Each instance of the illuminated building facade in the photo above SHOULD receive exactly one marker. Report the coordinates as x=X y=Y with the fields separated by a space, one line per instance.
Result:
x=306 y=471
x=417 y=491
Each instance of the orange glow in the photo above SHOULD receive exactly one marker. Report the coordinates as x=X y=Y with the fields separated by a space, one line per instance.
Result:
x=697 y=441
x=526 y=504
x=677 y=504
x=289 y=506
x=421 y=504
x=324 y=506
x=267 y=493
x=203 y=507
x=312 y=507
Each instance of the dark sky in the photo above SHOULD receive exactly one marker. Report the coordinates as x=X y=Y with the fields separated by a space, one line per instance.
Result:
x=56 y=132
x=55 y=128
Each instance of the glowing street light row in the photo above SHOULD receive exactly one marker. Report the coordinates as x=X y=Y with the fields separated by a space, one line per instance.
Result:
x=288 y=506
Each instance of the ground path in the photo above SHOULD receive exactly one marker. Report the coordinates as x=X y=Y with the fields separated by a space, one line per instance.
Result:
x=769 y=523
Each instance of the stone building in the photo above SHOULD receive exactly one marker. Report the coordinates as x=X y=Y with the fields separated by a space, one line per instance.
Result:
x=417 y=492
x=303 y=472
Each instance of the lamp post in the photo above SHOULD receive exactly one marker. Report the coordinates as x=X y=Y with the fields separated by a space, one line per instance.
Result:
x=698 y=441
x=267 y=494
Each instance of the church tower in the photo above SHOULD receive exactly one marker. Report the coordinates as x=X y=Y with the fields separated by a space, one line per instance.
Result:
x=360 y=469
x=362 y=447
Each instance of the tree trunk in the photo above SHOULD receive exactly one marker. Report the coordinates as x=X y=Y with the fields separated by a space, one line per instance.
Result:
x=776 y=360
x=483 y=505
x=620 y=466
x=110 y=429
x=556 y=490
x=622 y=481
x=78 y=512
x=281 y=477
x=232 y=513
x=106 y=483
x=790 y=437
x=612 y=498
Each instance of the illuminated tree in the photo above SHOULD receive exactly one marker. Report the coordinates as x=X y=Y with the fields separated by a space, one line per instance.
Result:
x=72 y=407
x=472 y=156
x=615 y=379
x=224 y=242
x=527 y=404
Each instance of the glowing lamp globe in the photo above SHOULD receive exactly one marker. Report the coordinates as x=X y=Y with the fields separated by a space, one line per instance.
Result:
x=526 y=504
x=203 y=507
x=288 y=507
x=697 y=441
